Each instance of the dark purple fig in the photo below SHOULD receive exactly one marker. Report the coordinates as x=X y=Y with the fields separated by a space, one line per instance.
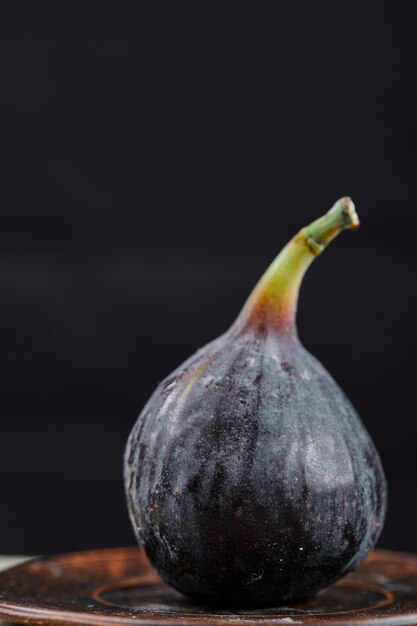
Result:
x=250 y=478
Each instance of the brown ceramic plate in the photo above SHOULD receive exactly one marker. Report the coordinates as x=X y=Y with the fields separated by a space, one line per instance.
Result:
x=118 y=586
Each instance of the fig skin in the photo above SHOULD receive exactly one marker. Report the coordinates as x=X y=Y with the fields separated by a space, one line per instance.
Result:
x=250 y=478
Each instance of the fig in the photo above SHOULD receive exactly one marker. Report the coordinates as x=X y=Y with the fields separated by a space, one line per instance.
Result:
x=250 y=479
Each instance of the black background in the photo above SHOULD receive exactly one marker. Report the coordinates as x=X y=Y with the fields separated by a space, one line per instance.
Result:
x=154 y=157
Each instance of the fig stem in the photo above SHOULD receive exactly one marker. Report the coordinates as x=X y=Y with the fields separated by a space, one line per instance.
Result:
x=273 y=302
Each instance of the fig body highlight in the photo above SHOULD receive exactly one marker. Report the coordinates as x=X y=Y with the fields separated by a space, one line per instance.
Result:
x=250 y=478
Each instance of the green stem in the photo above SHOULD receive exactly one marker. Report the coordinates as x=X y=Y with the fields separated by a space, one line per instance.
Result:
x=273 y=302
